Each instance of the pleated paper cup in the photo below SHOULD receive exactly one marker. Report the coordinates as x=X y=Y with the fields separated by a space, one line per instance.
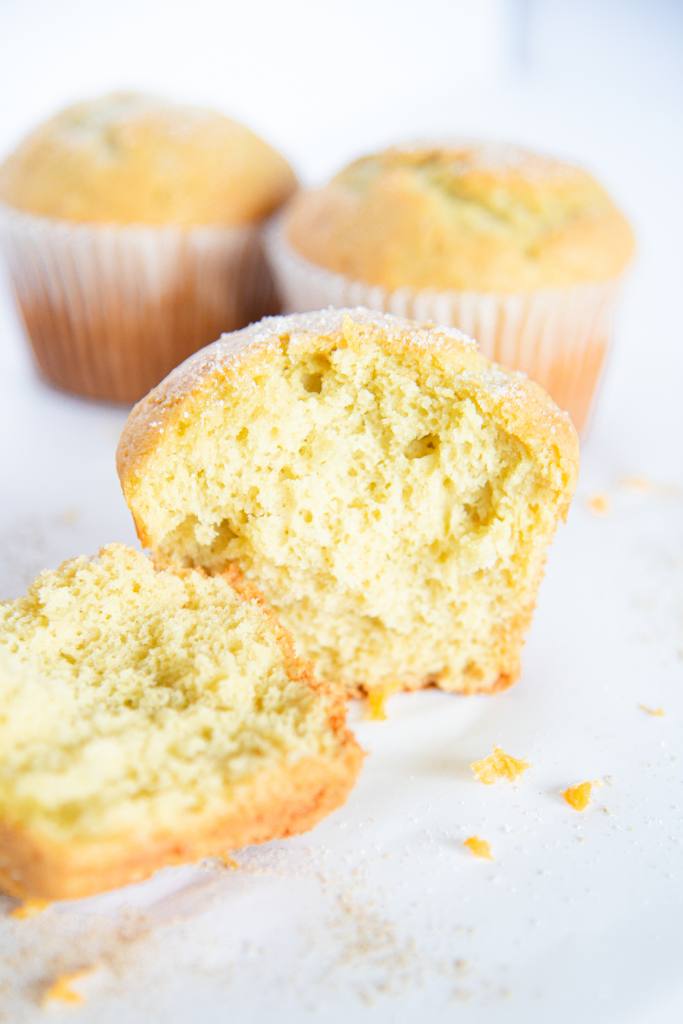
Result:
x=110 y=310
x=559 y=337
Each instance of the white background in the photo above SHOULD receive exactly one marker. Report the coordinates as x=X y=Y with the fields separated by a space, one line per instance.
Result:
x=380 y=914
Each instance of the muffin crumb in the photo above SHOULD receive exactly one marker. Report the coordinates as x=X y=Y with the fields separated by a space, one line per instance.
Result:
x=579 y=796
x=376 y=702
x=599 y=504
x=655 y=712
x=498 y=765
x=29 y=908
x=228 y=862
x=61 y=990
x=479 y=847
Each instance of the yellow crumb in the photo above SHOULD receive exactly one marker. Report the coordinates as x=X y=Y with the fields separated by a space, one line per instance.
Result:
x=29 y=908
x=579 y=796
x=69 y=517
x=376 y=702
x=657 y=712
x=637 y=483
x=227 y=861
x=643 y=485
x=498 y=765
x=479 y=847
x=599 y=504
x=61 y=991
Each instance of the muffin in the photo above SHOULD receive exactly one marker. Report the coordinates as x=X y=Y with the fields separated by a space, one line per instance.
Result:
x=152 y=718
x=521 y=251
x=132 y=230
x=390 y=492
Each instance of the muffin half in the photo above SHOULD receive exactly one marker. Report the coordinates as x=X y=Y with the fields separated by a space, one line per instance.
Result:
x=152 y=718
x=522 y=251
x=391 y=493
x=132 y=233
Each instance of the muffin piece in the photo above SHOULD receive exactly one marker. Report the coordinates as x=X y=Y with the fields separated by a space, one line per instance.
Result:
x=391 y=493
x=522 y=250
x=132 y=234
x=152 y=718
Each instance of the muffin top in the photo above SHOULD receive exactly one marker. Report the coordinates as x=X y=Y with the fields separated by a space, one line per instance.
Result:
x=477 y=217
x=127 y=158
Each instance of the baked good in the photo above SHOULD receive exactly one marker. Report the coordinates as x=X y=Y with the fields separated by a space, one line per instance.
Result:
x=130 y=212
x=390 y=492
x=152 y=718
x=521 y=250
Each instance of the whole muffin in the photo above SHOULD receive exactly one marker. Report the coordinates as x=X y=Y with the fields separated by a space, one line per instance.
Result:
x=520 y=250
x=132 y=227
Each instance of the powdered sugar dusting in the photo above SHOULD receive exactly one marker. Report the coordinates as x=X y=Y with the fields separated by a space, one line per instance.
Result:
x=507 y=389
x=267 y=333
x=465 y=155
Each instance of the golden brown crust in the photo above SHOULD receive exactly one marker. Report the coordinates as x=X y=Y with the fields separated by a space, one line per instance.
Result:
x=518 y=404
x=132 y=159
x=290 y=800
x=470 y=217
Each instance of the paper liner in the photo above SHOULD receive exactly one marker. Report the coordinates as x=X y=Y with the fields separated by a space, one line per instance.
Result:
x=559 y=337
x=110 y=310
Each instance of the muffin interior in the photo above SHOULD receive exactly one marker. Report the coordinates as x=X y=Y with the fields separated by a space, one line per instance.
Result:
x=132 y=699
x=397 y=528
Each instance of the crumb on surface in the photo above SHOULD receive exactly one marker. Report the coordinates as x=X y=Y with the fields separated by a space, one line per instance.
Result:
x=376 y=702
x=29 y=908
x=69 y=517
x=479 y=847
x=636 y=482
x=61 y=990
x=655 y=712
x=498 y=765
x=228 y=862
x=599 y=504
x=579 y=796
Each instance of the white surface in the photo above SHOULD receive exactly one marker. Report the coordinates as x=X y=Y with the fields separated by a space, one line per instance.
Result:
x=381 y=914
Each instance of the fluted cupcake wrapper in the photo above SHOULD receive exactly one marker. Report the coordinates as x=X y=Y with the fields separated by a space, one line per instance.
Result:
x=559 y=337
x=110 y=310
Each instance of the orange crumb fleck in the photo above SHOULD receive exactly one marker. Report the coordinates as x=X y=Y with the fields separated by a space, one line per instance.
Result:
x=579 y=796
x=656 y=712
x=29 y=908
x=61 y=991
x=498 y=765
x=643 y=485
x=227 y=861
x=376 y=702
x=479 y=847
x=637 y=483
x=599 y=504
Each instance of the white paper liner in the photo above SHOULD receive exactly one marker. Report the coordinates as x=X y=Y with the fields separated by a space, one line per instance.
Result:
x=110 y=309
x=559 y=337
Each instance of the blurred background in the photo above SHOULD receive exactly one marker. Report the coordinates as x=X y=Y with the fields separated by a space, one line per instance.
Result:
x=601 y=83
